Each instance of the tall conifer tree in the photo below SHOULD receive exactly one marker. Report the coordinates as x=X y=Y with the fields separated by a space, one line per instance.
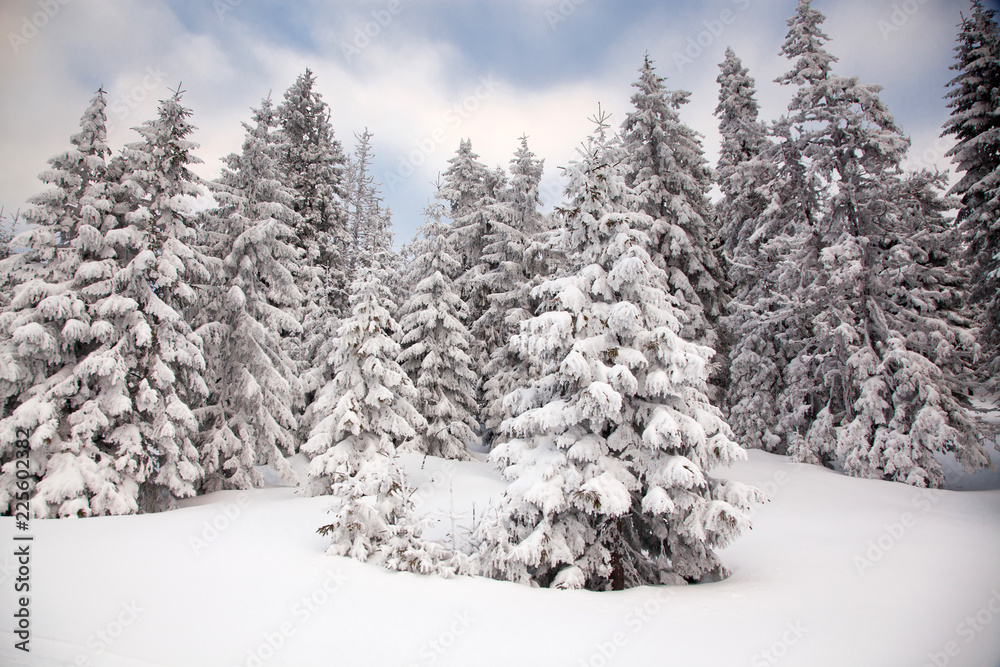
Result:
x=974 y=99
x=609 y=452
x=875 y=382
x=254 y=384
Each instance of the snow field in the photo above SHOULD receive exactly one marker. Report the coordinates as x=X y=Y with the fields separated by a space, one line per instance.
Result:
x=836 y=571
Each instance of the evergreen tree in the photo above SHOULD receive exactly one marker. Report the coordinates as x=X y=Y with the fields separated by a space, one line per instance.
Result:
x=464 y=185
x=114 y=427
x=611 y=444
x=746 y=164
x=51 y=388
x=505 y=272
x=740 y=170
x=671 y=177
x=368 y=405
x=473 y=193
x=523 y=195
x=52 y=249
x=371 y=229
x=491 y=285
x=875 y=380
x=513 y=251
x=363 y=415
x=974 y=99
x=161 y=265
x=366 y=214
x=313 y=163
x=249 y=418
x=436 y=346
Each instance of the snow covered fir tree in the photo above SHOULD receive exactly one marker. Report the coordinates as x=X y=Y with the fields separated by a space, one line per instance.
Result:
x=879 y=350
x=366 y=415
x=755 y=368
x=610 y=451
x=436 y=345
x=61 y=382
x=522 y=255
x=98 y=325
x=975 y=126
x=165 y=335
x=254 y=383
x=668 y=171
x=312 y=165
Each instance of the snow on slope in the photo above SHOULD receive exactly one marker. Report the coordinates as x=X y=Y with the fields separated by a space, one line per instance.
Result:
x=837 y=571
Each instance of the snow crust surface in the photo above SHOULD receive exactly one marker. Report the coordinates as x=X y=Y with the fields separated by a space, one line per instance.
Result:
x=836 y=571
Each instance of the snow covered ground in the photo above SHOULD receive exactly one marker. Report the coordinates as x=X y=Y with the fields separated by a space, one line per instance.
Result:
x=837 y=571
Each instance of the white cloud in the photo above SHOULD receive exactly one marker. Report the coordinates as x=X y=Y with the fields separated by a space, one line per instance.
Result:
x=418 y=95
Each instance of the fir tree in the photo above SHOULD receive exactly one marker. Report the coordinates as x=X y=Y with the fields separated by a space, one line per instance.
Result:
x=463 y=187
x=368 y=405
x=740 y=170
x=609 y=452
x=53 y=249
x=745 y=166
x=974 y=99
x=155 y=290
x=367 y=216
x=671 y=177
x=471 y=190
x=52 y=389
x=254 y=385
x=491 y=286
x=875 y=378
x=436 y=346
x=364 y=414
x=313 y=164
x=505 y=273
x=513 y=250
x=523 y=195
x=371 y=229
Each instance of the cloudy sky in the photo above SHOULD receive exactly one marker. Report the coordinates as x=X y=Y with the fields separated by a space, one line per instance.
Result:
x=422 y=75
